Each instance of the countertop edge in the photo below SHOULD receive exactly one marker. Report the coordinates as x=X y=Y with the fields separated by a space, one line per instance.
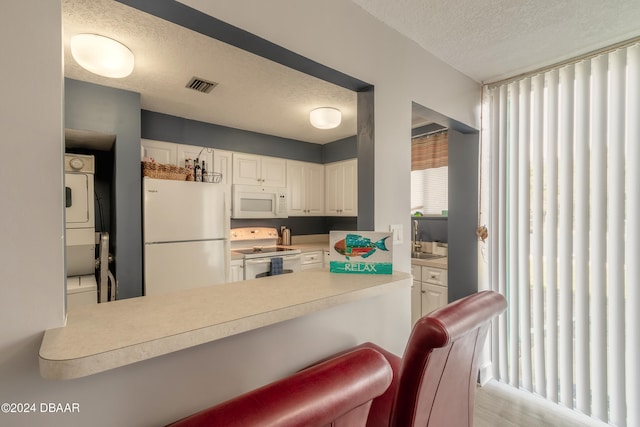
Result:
x=59 y=369
x=435 y=263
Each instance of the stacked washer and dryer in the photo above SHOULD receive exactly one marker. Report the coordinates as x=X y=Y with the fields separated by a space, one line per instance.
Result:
x=82 y=287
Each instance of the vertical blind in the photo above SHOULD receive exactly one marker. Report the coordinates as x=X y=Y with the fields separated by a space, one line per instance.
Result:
x=565 y=226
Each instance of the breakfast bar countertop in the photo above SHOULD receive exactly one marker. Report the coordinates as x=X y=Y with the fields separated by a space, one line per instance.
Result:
x=109 y=335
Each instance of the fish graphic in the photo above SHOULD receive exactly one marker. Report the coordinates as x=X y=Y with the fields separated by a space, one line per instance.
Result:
x=355 y=245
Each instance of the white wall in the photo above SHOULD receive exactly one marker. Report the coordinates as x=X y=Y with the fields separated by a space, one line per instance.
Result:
x=334 y=32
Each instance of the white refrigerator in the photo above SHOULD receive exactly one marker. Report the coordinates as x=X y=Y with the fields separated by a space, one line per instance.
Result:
x=186 y=235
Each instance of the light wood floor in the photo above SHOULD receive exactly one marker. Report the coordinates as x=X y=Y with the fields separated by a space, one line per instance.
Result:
x=499 y=405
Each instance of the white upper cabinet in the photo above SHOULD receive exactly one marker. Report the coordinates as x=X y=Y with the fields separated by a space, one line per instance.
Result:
x=222 y=163
x=176 y=154
x=341 y=188
x=162 y=152
x=313 y=189
x=305 y=182
x=274 y=172
x=246 y=169
x=194 y=152
x=250 y=169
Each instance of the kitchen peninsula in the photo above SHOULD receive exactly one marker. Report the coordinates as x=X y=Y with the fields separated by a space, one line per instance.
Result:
x=106 y=336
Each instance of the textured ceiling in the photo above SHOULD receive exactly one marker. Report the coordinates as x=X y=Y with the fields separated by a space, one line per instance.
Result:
x=253 y=93
x=493 y=39
x=484 y=39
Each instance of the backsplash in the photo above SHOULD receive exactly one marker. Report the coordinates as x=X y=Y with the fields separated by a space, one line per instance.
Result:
x=301 y=225
x=431 y=229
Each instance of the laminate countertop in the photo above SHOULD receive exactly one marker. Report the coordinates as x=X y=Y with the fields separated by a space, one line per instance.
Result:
x=441 y=262
x=109 y=335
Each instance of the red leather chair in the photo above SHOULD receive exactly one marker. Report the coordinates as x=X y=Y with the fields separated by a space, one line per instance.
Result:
x=335 y=393
x=434 y=382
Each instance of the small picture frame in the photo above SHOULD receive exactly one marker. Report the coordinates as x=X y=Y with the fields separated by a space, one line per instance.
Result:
x=360 y=252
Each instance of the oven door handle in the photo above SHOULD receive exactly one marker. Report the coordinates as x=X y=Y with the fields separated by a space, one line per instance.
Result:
x=267 y=260
x=258 y=261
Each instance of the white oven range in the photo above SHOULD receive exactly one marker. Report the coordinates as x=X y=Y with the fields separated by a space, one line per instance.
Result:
x=261 y=253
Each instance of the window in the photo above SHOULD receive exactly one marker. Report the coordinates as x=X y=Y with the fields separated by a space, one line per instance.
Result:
x=429 y=191
x=430 y=174
x=564 y=229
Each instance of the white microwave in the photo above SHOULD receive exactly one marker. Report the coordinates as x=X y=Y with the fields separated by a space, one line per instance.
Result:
x=254 y=201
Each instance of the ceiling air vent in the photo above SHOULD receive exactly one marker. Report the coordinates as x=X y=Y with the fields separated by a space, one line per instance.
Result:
x=201 y=85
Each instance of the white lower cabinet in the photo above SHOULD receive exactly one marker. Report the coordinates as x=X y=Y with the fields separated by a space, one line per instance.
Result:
x=429 y=290
x=416 y=301
x=312 y=260
x=236 y=273
x=433 y=296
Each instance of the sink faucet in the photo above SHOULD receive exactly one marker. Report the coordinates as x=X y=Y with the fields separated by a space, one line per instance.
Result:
x=416 y=233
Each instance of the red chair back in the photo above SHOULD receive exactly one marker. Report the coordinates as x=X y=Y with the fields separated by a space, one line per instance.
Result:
x=335 y=393
x=438 y=374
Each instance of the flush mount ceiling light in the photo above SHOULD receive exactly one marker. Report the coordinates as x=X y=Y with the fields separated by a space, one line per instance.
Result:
x=102 y=55
x=325 y=117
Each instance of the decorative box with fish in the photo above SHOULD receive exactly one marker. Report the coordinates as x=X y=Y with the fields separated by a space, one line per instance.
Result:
x=360 y=252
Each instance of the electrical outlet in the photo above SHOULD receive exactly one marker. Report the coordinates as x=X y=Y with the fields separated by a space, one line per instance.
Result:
x=396 y=229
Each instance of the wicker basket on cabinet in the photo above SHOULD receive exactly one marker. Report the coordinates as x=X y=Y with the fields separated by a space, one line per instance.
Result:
x=162 y=171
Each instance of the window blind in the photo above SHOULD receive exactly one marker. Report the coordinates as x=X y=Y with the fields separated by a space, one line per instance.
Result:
x=430 y=151
x=429 y=190
x=565 y=233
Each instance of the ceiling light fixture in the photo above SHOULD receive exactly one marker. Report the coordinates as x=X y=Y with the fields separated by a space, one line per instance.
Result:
x=102 y=55
x=325 y=117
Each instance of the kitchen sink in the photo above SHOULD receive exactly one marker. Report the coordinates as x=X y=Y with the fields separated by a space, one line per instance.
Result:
x=423 y=255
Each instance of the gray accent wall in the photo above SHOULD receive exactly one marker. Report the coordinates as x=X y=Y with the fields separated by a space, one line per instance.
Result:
x=463 y=214
x=301 y=226
x=341 y=149
x=164 y=127
x=107 y=110
x=366 y=160
x=431 y=229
